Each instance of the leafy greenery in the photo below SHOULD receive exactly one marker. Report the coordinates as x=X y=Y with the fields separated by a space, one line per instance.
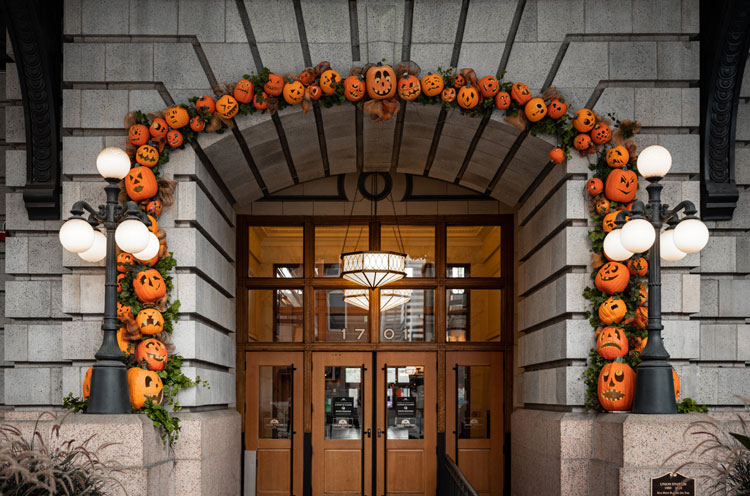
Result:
x=688 y=405
x=74 y=403
x=169 y=425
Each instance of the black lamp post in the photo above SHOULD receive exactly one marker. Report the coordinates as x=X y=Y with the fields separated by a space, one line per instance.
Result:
x=654 y=387
x=126 y=226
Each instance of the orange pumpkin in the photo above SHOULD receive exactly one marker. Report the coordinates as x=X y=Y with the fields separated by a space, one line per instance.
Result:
x=641 y=318
x=381 y=82
x=613 y=277
x=120 y=277
x=275 y=85
x=314 y=92
x=409 y=88
x=307 y=77
x=150 y=320
x=535 y=110
x=612 y=343
x=197 y=124
x=158 y=128
x=138 y=134
x=227 y=107
x=556 y=155
x=458 y=81
x=612 y=310
x=448 y=95
x=556 y=108
x=520 y=93
x=174 y=138
x=177 y=117
x=153 y=353
x=153 y=226
x=124 y=312
x=149 y=286
x=154 y=207
x=468 y=97
x=125 y=345
x=638 y=266
x=676 y=381
x=354 y=88
x=584 y=120
x=582 y=142
x=601 y=133
x=147 y=155
x=432 y=84
x=639 y=344
x=618 y=157
x=260 y=102
x=502 y=100
x=621 y=185
x=489 y=86
x=616 y=386
x=144 y=385
x=329 y=80
x=609 y=221
x=294 y=92
x=244 y=91
x=602 y=206
x=87 y=383
x=205 y=105
x=140 y=183
x=594 y=186
x=643 y=294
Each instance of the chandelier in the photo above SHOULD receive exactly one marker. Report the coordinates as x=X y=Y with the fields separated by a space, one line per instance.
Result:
x=389 y=298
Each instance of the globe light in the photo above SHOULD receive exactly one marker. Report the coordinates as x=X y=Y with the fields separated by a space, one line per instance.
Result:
x=76 y=235
x=669 y=251
x=98 y=249
x=132 y=236
x=151 y=250
x=654 y=161
x=690 y=235
x=113 y=163
x=613 y=246
x=637 y=235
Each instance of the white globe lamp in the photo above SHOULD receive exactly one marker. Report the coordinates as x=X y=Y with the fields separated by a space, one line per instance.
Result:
x=132 y=236
x=613 y=247
x=669 y=251
x=637 y=235
x=76 y=235
x=113 y=163
x=98 y=249
x=690 y=235
x=654 y=162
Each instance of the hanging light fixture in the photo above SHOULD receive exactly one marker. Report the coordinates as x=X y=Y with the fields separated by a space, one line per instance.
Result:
x=389 y=298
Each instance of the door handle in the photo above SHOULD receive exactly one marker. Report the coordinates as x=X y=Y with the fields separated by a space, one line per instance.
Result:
x=368 y=432
x=379 y=432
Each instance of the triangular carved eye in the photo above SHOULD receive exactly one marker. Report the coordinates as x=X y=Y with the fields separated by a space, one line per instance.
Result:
x=149 y=380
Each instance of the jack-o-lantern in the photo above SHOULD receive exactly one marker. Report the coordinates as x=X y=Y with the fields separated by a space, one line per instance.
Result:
x=140 y=183
x=520 y=93
x=124 y=312
x=594 y=186
x=354 y=88
x=432 y=84
x=613 y=277
x=468 y=97
x=87 y=383
x=314 y=92
x=642 y=294
x=584 y=120
x=582 y=142
x=177 y=117
x=144 y=385
x=502 y=100
x=602 y=206
x=535 y=110
x=124 y=259
x=125 y=345
x=638 y=266
x=616 y=386
x=150 y=320
x=381 y=82
x=556 y=108
x=610 y=344
x=448 y=95
x=609 y=221
x=409 y=88
x=489 y=86
x=120 y=278
x=138 y=134
x=676 y=381
x=329 y=80
x=275 y=85
x=459 y=81
x=639 y=344
x=601 y=133
x=618 y=157
x=154 y=207
x=174 y=138
x=641 y=318
x=205 y=105
x=149 y=286
x=147 y=155
x=294 y=92
x=153 y=353
x=158 y=128
x=621 y=185
x=153 y=226
x=227 y=107
x=244 y=91
x=260 y=102
x=307 y=77
x=556 y=155
x=197 y=124
x=612 y=310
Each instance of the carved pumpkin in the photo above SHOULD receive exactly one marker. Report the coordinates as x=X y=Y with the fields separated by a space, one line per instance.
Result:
x=556 y=108
x=174 y=138
x=154 y=207
x=294 y=92
x=616 y=386
x=143 y=385
x=641 y=318
x=124 y=259
x=613 y=277
x=556 y=155
x=125 y=345
x=502 y=100
x=582 y=142
x=643 y=294
x=153 y=226
x=381 y=82
x=584 y=120
x=197 y=124
x=158 y=128
x=638 y=266
x=149 y=286
x=602 y=206
x=601 y=133
x=120 y=277
x=260 y=102
x=138 y=134
x=609 y=221
x=244 y=91
x=314 y=92
x=535 y=110
x=594 y=186
x=618 y=157
x=147 y=155
x=432 y=84
x=458 y=81
x=227 y=107
x=621 y=185
x=205 y=105
x=448 y=95
x=520 y=93
x=124 y=312
x=610 y=344
x=489 y=86
x=153 y=353
x=275 y=85
x=612 y=310
x=177 y=117
x=639 y=344
x=329 y=79
x=676 y=381
x=409 y=88
x=307 y=77
x=468 y=97
x=140 y=183
x=87 y=383
x=150 y=320
x=354 y=88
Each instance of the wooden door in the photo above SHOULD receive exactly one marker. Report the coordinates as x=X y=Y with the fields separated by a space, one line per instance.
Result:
x=341 y=423
x=407 y=424
x=273 y=432
x=474 y=418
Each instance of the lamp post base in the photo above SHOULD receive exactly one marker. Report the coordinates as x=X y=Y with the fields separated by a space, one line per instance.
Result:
x=654 y=388
x=109 y=388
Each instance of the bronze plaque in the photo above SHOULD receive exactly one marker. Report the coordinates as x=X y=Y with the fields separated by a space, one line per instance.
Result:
x=672 y=484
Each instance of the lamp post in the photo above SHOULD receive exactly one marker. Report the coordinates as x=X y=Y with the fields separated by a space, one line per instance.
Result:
x=654 y=387
x=126 y=226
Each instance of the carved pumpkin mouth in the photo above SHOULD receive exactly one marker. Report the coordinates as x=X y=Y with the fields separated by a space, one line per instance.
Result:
x=411 y=92
x=609 y=278
x=156 y=398
x=158 y=358
x=610 y=345
x=138 y=189
x=381 y=93
x=613 y=394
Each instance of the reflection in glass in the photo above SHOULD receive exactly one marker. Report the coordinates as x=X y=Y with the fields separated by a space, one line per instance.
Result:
x=473 y=400
x=329 y=245
x=472 y=314
x=414 y=321
x=275 y=251
x=476 y=248
x=418 y=244
x=336 y=320
x=275 y=315
x=343 y=407
x=405 y=402
x=274 y=402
